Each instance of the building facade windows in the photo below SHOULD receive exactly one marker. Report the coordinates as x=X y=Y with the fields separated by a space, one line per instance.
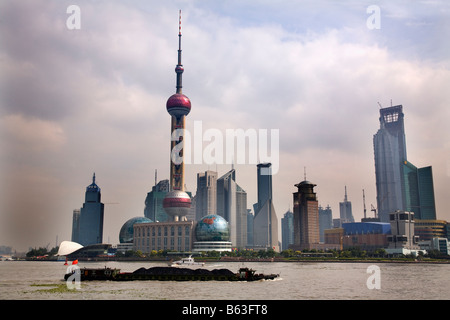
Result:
x=174 y=236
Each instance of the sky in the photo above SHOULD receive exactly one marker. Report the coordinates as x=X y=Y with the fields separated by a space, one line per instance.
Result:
x=84 y=92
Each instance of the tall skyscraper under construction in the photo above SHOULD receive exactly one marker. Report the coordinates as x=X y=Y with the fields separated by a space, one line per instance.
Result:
x=399 y=184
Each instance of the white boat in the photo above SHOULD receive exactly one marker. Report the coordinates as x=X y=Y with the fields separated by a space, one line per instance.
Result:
x=187 y=262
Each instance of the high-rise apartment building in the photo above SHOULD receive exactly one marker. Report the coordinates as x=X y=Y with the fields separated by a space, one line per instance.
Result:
x=88 y=222
x=265 y=223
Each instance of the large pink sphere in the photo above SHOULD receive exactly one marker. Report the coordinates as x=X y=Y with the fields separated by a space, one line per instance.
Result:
x=178 y=105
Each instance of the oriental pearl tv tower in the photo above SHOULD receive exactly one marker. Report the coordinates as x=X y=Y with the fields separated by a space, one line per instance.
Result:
x=177 y=202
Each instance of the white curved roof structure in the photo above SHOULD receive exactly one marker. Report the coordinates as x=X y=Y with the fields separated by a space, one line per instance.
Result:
x=67 y=247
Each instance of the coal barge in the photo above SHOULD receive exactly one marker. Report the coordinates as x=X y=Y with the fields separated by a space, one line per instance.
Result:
x=169 y=274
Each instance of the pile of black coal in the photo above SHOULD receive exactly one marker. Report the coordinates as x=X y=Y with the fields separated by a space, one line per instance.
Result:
x=182 y=271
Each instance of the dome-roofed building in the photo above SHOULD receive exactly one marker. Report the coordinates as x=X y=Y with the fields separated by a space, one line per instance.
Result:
x=212 y=233
x=126 y=232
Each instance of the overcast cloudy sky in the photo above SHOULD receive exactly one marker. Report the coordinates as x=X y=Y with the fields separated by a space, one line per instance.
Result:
x=78 y=101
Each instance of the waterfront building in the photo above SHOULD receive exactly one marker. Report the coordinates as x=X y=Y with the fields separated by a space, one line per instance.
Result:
x=345 y=210
x=368 y=236
x=287 y=230
x=206 y=195
x=170 y=235
x=440 y=244
x=212 y=233
x=402 y=239
x=126 y=233
x=87 y=228
x=306 y=217
x=426 y=230
x=334 y=237
x=325 y=221
x=232 y=206
x=265 y=222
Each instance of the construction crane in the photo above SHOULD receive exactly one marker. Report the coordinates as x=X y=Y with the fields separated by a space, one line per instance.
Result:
x=364 y=203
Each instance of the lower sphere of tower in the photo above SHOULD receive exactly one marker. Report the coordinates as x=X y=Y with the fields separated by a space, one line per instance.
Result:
x=177 y=203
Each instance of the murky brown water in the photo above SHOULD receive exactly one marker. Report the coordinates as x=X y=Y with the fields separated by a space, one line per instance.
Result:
x=299 y=281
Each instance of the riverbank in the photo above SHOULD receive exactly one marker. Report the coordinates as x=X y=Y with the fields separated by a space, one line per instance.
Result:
x=244 y=259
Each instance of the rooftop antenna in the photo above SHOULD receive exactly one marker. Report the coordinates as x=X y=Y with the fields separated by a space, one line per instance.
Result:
x=156 y=176
x=179 y=67
x=304 y=173
x=391 y=102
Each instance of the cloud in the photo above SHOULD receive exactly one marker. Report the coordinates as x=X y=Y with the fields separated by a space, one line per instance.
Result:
x=79 y=101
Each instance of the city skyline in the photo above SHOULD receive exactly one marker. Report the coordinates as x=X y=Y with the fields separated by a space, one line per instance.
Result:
x=93 y=100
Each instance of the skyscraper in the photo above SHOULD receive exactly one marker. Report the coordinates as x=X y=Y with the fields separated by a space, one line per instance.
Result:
x=325 y=221
x=154 y=202
x=400 y=185
x=390 y=151
x=90 y=220
x=206 y=195
x=232 y=206
x=306 y=217
x=287 y=230
x=177 y=202
x=419 y=191
x=345 y=210
x=265 y=224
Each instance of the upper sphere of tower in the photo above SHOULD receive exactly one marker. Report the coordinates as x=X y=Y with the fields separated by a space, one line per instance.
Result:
x=178 y=105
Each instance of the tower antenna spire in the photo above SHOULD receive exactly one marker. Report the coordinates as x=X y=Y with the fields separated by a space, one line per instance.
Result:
x=179 y=68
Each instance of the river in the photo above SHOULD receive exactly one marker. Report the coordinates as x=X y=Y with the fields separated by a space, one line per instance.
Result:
x=22 y=280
